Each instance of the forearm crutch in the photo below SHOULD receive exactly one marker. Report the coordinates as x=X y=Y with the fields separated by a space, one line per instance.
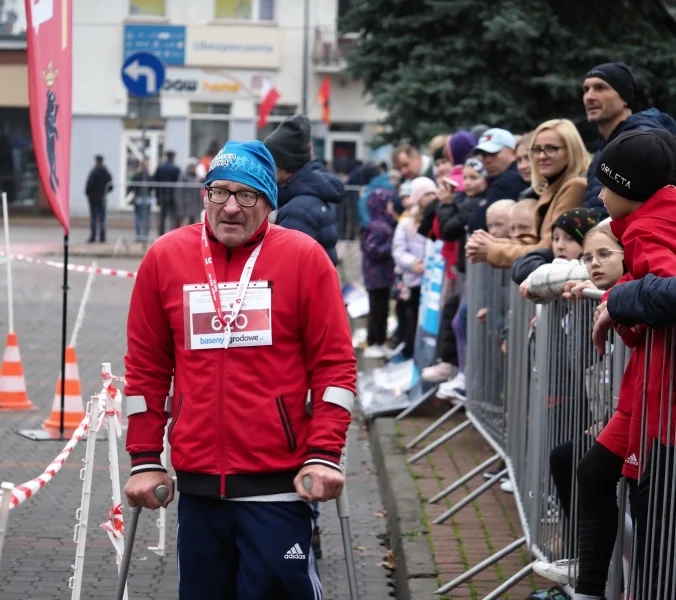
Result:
x=344 y=518
x=161 y=493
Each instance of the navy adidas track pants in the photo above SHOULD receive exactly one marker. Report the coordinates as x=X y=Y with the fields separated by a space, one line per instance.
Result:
x=231 y=550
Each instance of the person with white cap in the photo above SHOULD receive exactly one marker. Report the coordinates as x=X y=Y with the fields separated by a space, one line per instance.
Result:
x=497 y=150
x=245 y=317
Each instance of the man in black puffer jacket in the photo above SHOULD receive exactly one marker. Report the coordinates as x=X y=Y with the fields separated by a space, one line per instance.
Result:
x=306 y=190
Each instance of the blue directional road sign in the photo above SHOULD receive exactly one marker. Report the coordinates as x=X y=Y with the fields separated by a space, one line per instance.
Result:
x=143 y=74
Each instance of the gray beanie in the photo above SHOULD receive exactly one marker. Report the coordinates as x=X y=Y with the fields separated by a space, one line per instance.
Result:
x=290 y=143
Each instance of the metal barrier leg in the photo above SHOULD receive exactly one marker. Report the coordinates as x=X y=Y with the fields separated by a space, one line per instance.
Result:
x=416 y=404
x=464 y=479
x=467 y=575
x=616 y=563
x=438 y=442
x=473 y=496
x=434 y=426
x=510 y=583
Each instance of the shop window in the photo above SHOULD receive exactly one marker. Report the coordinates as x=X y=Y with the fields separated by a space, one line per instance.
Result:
x=12 y=20
x=207 y=108
x=139 y=108
x=209 y=127
x=147 y=8
x=206 y=134
x=18 y=169
x=249 y=10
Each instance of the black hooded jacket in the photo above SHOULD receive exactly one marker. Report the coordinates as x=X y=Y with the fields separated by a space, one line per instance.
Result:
x=304 y=204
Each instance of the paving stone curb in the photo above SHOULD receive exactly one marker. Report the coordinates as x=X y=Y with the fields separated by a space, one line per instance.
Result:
x=416 y=573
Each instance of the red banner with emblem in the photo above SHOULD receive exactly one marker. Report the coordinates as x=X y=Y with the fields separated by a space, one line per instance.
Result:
x=49 y=31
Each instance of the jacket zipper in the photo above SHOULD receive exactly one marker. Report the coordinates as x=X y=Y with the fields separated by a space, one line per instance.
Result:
x=286 y=424
x=174 y=418
x=221 y=412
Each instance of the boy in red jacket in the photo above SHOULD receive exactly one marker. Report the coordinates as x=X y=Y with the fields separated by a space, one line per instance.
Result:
x=637 y=173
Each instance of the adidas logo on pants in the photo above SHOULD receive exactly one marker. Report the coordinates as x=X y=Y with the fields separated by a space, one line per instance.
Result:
x=295 y=552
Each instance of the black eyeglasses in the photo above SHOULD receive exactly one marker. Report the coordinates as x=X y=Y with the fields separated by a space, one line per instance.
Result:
x=602 y=255
x=549 y=150
x=245 y=198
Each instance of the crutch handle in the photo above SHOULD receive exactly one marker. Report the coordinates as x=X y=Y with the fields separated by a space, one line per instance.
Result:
x=161 y=493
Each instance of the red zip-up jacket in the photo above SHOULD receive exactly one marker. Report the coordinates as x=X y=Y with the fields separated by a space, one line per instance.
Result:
x=240 y=425
x=649 y=239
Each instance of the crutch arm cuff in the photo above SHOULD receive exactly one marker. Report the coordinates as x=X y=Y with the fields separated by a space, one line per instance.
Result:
x=143 y=462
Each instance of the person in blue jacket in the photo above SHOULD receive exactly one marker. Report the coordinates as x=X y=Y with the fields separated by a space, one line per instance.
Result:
x=648 y=301
x=306 y=190
x=609 y=95
x=373 y=178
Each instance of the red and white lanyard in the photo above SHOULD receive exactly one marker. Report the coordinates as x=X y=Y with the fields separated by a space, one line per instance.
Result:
x=241 y=286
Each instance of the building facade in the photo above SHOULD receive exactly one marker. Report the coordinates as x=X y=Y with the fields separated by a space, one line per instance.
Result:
x=216 y=53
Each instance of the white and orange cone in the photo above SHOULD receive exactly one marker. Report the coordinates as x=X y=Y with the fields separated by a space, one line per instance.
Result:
x=13 y=392
x=73 y=404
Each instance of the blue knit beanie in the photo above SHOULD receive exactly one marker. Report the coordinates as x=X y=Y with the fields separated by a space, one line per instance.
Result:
x=249 y=163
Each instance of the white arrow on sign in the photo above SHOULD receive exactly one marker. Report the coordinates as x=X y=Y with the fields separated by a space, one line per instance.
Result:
x=135 y=71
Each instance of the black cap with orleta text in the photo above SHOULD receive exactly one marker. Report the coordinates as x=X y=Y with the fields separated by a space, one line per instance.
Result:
x=636 y=164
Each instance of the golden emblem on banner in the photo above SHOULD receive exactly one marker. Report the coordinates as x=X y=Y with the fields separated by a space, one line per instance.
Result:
x=50 y=74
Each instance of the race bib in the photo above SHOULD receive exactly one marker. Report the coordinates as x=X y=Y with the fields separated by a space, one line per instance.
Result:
x=251 y=327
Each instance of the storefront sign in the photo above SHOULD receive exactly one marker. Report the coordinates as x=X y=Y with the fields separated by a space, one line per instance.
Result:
x=212 y=84
x=238 y=46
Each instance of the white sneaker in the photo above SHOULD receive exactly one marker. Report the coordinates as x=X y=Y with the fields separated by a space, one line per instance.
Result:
x=387 y=351
x=561 y=571
x=437 y=373
x=452 y=389
x=374 y=352
x=507 y=486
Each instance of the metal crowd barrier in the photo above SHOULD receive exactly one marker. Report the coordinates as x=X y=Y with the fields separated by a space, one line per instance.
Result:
x=540 y=408
x=653 y=499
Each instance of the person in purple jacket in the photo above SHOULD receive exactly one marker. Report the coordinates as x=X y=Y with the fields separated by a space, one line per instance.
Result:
x=378 y=269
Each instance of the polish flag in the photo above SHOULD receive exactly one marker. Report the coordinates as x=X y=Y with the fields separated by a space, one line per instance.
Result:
x=269 y=97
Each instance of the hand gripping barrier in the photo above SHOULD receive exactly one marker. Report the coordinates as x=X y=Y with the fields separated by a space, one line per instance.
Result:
x=542 y=406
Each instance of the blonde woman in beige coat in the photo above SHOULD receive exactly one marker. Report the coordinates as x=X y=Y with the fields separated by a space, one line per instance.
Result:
x=558 y=161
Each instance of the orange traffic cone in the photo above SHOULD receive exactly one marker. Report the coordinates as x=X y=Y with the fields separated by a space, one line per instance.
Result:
x=13 y=393
x=73 y=405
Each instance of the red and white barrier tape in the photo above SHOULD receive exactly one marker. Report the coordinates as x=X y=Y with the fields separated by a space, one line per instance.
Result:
x=72 y=267
x=22 y=492
x=114 y=527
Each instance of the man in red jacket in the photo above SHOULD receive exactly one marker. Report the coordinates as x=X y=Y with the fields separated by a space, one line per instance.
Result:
x=246 y=317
